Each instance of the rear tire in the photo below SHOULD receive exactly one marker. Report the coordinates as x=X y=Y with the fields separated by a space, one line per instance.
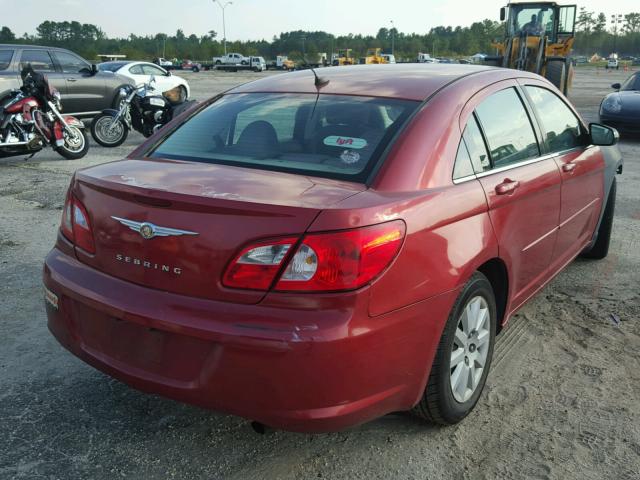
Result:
x=442 y=402
x=105 y=138
x=600 y=248
x=74 y=148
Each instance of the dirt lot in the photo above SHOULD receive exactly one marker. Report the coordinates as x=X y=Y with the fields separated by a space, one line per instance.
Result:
x=561 y=401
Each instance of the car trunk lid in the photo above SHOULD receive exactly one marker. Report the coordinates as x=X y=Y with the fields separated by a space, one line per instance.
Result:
x=218 y=208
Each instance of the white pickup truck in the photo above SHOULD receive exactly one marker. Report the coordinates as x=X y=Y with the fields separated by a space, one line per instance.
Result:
x=231 y=59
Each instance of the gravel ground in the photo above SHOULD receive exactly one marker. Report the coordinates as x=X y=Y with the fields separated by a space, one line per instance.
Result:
x=561 y=401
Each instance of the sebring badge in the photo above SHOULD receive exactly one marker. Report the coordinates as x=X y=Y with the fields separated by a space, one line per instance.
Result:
x=148 y=230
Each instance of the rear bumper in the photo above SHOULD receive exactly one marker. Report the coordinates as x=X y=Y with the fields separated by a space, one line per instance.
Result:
x=320 y=365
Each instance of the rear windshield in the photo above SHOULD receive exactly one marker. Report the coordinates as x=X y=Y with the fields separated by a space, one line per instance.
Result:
x=5 y=58
x=331 y=136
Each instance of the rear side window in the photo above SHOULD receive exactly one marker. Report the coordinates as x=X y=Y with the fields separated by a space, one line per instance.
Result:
x=40 y=60
x=507 y=128
x=5 y=58
x=333 y=136
x=71 y=63
x=561 y=128
x=462 y=167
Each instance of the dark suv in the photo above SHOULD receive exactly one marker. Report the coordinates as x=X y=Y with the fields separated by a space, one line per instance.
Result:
x=85 y=91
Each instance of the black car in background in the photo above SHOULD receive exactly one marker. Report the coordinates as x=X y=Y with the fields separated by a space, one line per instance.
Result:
x=85 y=91
x=621 y=109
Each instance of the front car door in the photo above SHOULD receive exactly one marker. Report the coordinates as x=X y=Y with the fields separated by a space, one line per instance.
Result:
x=85 y=91
x=163 y=81
x=581 y=168
x=42 y=62
x=522 y=187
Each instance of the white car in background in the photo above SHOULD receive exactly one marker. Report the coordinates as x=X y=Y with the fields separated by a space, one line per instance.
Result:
x=140 y=72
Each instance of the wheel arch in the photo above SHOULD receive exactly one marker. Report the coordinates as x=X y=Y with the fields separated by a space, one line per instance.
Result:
x=496 y=272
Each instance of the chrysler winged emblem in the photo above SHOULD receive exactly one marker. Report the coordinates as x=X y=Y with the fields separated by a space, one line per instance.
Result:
x=148 y=230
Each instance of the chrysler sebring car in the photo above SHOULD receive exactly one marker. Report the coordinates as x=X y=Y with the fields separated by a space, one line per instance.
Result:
x=312 y=253
x=621 y=109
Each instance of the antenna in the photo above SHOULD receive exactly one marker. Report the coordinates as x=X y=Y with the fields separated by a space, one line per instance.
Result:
x=319 y=82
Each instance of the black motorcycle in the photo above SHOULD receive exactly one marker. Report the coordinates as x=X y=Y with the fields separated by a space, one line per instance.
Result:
x=141 y=110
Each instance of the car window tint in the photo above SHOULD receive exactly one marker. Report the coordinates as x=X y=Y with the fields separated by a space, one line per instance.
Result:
x=475 y=146
x=71 y=63
x=462 y=167
x=561 y=128
x=333 y=136
x=507 y=128
x=5 y=58
x=40 y=60
x=136 y=70
x=152 y=70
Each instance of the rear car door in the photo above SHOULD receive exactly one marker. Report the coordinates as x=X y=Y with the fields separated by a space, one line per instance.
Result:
x=522 y=188
x=581 y=168
x=86 y=92
x=42 y=62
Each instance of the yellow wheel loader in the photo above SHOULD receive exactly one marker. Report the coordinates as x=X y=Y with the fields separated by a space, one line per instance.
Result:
x=374 y=56
x=538 y=38
x=343 y=57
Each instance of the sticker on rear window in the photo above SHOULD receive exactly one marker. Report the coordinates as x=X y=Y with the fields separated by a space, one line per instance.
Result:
x=349 y=157
x=345 y=142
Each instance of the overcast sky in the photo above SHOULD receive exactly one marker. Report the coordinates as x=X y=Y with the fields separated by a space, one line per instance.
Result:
x=262 y=19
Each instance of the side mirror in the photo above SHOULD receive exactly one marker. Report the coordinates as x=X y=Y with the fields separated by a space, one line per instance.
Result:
x=503 y=14
x=94 y=69
x=616 y=86
x=168 y=74
x=603 y=135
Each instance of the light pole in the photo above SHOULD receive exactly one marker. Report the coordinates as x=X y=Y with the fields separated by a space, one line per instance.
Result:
x=393 y=38
x=224 y=27
x=304 y=54
x=615 y=21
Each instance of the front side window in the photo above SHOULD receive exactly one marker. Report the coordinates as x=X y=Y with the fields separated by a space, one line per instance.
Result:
x=631 y=83
x=5 y=58
x=567 y=20
x=71 y=63
x=136 y=70
x=40 y=60
x=153 y=70
x=333 y=136
x=561 y=128
x=507 y=128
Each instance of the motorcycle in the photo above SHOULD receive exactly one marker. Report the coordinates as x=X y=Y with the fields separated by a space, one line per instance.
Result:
x=141 y=110
x=31 y=119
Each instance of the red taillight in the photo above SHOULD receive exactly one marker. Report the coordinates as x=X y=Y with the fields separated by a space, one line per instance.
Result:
x=256 y=266
x=342 y=260
x=334 y=261
x=76 y=225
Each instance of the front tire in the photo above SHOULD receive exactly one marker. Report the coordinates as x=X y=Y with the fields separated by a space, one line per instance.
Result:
x=600 y=248
x=75 y=146
x=106 y=134
x=556 y=72
x=463 y=358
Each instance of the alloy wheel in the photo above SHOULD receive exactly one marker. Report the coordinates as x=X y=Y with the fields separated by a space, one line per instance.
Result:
x=470 y=348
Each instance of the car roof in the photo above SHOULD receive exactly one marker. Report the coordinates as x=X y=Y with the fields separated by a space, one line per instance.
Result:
x=29 y=46
x=412 y=81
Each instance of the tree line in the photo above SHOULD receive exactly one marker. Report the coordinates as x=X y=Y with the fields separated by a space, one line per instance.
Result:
x=593 y=35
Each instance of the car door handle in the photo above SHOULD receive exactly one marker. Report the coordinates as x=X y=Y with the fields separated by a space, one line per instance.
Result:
x=507 y=187
x=72 y=79
x=568 y=167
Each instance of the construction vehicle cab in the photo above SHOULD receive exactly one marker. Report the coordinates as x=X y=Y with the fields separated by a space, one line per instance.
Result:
x=538 y=38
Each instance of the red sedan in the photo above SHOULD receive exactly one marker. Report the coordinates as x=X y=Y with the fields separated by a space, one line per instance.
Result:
x=313 y=253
